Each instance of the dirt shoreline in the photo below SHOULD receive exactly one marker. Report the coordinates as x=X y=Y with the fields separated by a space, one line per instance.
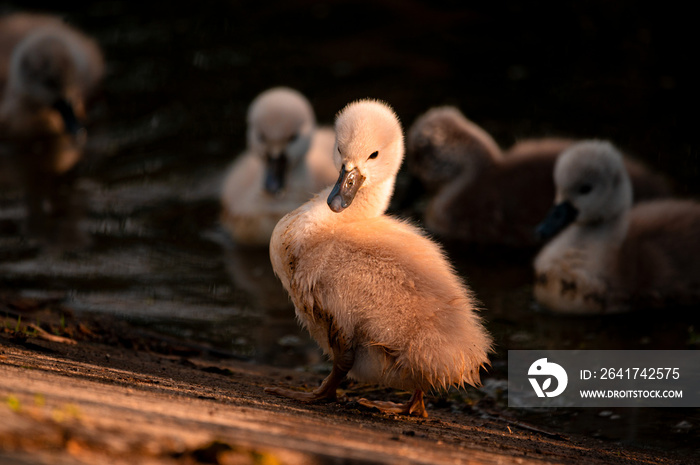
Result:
x=95 y=392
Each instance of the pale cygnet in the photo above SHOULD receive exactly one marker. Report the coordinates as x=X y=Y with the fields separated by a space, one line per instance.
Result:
x=481 y=195
x=287 y=159
x=376 y=294
x=609 y=256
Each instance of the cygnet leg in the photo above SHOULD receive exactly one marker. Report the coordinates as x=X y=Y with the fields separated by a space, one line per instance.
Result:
x=343 y=359
x=414 y=406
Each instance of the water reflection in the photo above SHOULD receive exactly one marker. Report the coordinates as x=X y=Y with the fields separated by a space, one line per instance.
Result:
x=277 y=338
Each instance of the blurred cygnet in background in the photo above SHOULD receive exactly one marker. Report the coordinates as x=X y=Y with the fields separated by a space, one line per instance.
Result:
x=608 y=256
x=480 y=195
x=286 y=161
x=47 y=72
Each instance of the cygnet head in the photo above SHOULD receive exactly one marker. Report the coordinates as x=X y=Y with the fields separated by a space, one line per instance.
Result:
x=43 y=72
x=369 y=150
x=443 y=144
x=280 y=127
x=592 y=187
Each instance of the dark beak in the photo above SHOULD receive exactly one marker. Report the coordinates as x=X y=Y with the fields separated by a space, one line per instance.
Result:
x=71 y=123
x=559 y=217
x=345 y=189
x=275 y=171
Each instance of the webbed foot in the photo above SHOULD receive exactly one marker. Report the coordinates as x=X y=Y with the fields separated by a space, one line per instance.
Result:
x=414 y=407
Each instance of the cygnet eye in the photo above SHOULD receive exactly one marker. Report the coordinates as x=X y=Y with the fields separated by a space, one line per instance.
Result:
x=339 y=151
x=293 y=137
x=373 y=156
x=585 y=189
x=261 y=137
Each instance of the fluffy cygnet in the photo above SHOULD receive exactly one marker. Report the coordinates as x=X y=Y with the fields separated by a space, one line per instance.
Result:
x=610 y=257
x=47 y=71
x=286 y=161
x=376 y=294
x=478 y=194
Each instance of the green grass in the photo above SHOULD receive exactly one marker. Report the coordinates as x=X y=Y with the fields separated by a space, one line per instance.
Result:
x=13 y=403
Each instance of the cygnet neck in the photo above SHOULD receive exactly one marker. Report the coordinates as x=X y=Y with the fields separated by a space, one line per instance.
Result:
x=612 y=230
x=370 y=201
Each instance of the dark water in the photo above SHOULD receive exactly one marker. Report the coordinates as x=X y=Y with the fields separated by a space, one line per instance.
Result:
x=170 y=118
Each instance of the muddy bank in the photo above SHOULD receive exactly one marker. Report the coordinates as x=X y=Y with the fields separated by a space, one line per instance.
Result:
x=100 y=391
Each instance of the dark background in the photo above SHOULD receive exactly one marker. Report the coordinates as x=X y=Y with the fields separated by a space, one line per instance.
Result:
x=622 y=70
